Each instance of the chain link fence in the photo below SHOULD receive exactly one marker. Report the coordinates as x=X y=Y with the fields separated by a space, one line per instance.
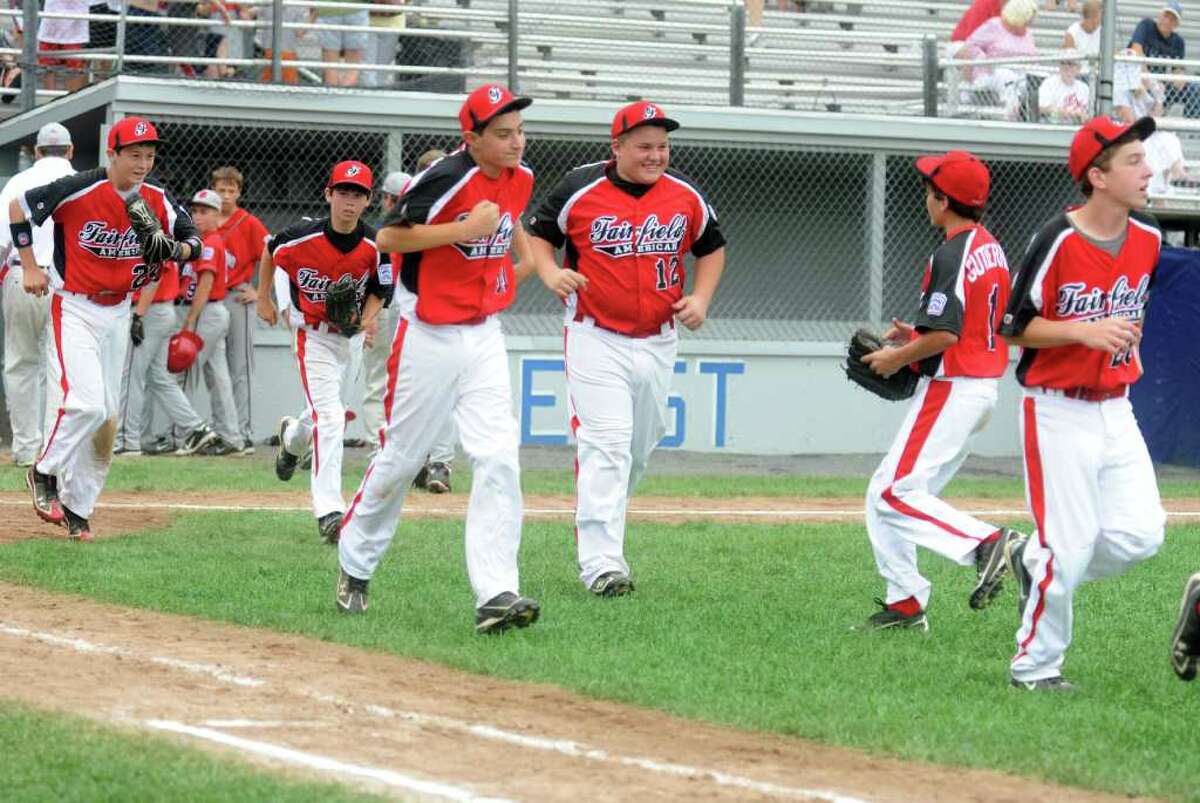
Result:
x=819 y=240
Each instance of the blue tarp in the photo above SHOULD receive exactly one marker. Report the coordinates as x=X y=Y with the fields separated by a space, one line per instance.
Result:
x=1167 y=398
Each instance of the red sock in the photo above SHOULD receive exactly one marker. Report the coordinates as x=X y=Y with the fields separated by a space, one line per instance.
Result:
x=908 y=607
x=991 y=537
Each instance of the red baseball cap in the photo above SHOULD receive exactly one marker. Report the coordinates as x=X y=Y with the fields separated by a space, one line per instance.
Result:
x=958 y=175
x=353 y=174
x=1098 y=134
x=641 y=112
x=132 y=131
x=486 y=102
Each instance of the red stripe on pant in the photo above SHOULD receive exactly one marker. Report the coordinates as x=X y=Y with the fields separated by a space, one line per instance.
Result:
x=56 y=322
x=301 y=342
x=934 y=402
x=393 y=371
x=574 y=424
x=1037 y=501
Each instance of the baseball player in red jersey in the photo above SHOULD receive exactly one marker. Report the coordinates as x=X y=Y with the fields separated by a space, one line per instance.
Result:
x=244 y=236
x=315 y=254
x=457 y=226
x=1076 y=310
x=99 y=264
x=203 y=288
x=627 y=225
x=954 y=346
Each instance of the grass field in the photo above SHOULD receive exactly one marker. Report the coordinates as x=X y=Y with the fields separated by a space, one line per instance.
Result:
x=61 y=758
x=748 y=625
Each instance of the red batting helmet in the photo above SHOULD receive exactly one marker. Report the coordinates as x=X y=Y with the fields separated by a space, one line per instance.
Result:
x=182 y=350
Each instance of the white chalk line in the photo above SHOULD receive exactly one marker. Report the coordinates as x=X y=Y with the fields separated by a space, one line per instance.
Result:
x=561 y=746
x=563 y=511
x=323 y=763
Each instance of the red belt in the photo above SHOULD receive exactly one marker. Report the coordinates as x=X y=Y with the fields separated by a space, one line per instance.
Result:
x=638 y=334
x=1087 y=394
x=101 y=299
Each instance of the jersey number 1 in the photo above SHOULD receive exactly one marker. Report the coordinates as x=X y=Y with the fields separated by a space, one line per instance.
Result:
x=666 y=273
x=993 y=297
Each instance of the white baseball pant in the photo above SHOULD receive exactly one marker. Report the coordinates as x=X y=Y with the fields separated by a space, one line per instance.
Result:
x=617 y=402
x=903 y=508
x=147 y=381
x=1091 y=489
x=25 y=324
x=212 y=326
x=435 y=372
x=84 y=357
x=239 y=351
x=322 y=357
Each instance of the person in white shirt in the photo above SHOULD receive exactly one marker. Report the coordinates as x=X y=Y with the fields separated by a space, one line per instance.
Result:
x=1137 y=93
x=1084 y=34
x=1063 y=97
x=25 y=314
x=64 y=35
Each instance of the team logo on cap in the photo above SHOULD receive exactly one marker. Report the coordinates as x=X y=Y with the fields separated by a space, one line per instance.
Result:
x=140 y=129
x=650 y=112
x=494 y=94
x=352 y=171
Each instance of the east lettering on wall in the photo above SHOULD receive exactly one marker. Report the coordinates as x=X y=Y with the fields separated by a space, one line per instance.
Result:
x=698 y=406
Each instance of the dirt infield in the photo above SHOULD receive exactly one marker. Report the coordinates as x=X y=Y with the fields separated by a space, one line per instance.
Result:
x=417 y=729
x=410 y=727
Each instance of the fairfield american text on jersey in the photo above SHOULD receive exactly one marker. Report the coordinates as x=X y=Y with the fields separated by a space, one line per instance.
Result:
x=1077 y=302
x=489 y=246
x=313 y=284
x=109 y=242
x=617 y=238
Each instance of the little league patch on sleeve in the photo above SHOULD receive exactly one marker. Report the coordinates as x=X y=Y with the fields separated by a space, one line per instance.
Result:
x=385 y=273
x=937 y=305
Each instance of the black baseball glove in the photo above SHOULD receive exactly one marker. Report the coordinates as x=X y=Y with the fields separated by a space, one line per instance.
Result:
x=341 y=306
x=157 y=247
x=898 y=386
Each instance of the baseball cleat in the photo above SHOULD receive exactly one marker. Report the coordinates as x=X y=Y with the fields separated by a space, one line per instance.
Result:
x=990 y=566
x=77 y=526
x=1185 y=641
x=196 y=440
x=330 y=527
x=1014 y=556
x=219 y=447
x=306 y=461
x=44 y=488
x=247 y=447
x=505 y=610
x=437 y=478
x=422 y=477
x=1056 y=683
x=891 y=619
x=611 y=584
x=285 y=461
x=351 y=593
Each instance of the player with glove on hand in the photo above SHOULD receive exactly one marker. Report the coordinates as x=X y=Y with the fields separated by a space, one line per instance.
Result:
x=113 y=228
x=954 y=346
x=338 y=286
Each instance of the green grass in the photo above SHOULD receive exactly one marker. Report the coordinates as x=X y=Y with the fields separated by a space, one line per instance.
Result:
x=173 y=474
x=62 y=758
x=738 y=624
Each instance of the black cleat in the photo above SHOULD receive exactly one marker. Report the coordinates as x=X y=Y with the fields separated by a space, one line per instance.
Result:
x=990 y=566
x=505 y=610
x=351 y=593
x=437 y=478
x=422 y=478
x=611 y=584
x=330 y=527
x=1185 y=641
x=247 y=447
x=1014 y=556
x=44 y=489
x=285 y=461
x=1056 y=683
x=197 y=439
x=891 y=619
x=77 y=526
x=218 y=447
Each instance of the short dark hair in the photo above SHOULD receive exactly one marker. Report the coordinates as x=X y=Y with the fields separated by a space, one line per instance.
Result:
x=962 y=210
x=352 y=187
x=53 y=150
x=1104 y=159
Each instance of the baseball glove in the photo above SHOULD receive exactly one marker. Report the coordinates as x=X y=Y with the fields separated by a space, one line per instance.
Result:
x=156 y=246
x=341 y=306
x=898 y=386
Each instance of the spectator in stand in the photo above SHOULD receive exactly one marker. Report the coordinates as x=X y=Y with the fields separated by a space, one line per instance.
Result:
x=102 y=34
x=1008 y=35
x=142 y=39
x=288 y=38
x=1084 y=33
x=215 y=40
x=64 y=35
x=1136 y=94
x=979 y=12
x=348 y=46
x=389 y=22
x=1062 y=97
x=1156 y=38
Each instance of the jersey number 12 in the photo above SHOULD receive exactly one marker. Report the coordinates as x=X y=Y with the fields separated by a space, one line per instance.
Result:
x=666 y=273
